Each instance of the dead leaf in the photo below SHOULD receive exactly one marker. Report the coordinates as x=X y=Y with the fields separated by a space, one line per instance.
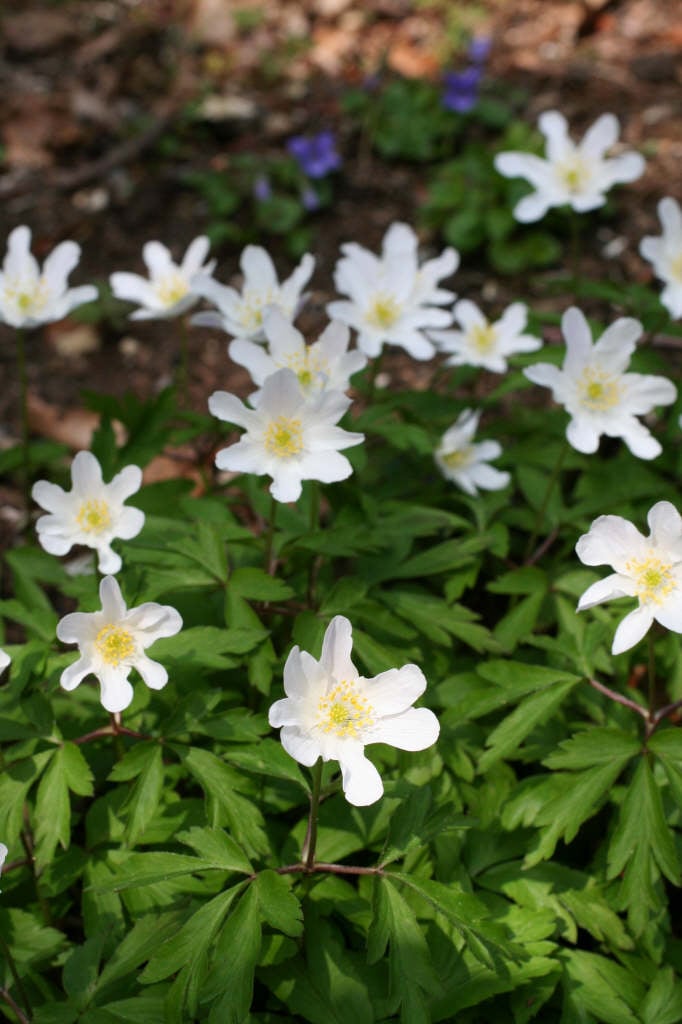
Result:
x=38 y=31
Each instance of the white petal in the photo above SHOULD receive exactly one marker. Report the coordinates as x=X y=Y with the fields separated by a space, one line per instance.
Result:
x=625 y=168
x=49 y=496
x=157 y=259
x=132 y=288
x=665 y=524
x=644 y=391
x=59 y=265
x=116 y=693
x=611 y=540
x=608 y=589
x=129 y=523
x=125 y=483
x=414 y=729
x=524 y=165
x=301 y=746
x=546 y=375
x=336 y=649
x=631 y=630
x=582 y=435
x=107 y=559
x=600 y=137
x=231 y=409
x=197 y=251
x=154 y=674
x=258 y=268
x=54 y=544
x=553 y=126
x=75 y=628
x=286 y=484
x=291 y=288
x=257 y=361
x=638 y=439
x=362 y=783
x=284 y=712
x=578 y=335
x=282 y=395
x=86 y=473
x=532 y=207
x=488 y=478
x=327 y=466
x=113 y=605
x=617 y=343
x=75 y=673
x=4 y=660
x=394 y=691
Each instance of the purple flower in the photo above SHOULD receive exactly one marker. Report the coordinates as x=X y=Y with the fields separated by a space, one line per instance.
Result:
x=310 y=199
x=261 y=188
x=460 y=91
x=479 y=49
x=315 y=154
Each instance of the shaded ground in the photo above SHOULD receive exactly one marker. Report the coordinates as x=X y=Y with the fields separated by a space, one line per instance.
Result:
x=96 y=145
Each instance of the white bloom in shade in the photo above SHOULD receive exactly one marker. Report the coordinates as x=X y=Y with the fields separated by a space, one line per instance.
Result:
x=30 y=296
x=486 y=344
x=3 y=854
x=325 y=365
x=241 y=314
x=92 y=513
x=466 y=463
x=168 y=291
x=392 y=300
x=575 y=175
x=665 y=253
x=597 y=393
x=4 y=660
x=332 y=712
x=648 y=568
x=113 y=641
x=288 y=437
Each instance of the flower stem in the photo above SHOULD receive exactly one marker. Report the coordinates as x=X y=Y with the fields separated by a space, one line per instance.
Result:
x=23 y=394
x=575 y=254
x=269 y=538
x=310 y=841
x=18 y=983
x=539 y=519
x=182 y=374
x=314 y=566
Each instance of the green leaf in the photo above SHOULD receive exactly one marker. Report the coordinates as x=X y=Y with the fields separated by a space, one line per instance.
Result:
x=207 y=646
x=79 y=777
x=81 y=970
x=598 y=986
x=520 y=622
x=594 y=747
x=257 y=585
x=234 y=963
x=53 y=810
x=641 y=846
x=189 y=946
x=411 y=974
x=663 y=1002
x=216 y=847
x=280 y=907
x=510 y=733
x=144 y=797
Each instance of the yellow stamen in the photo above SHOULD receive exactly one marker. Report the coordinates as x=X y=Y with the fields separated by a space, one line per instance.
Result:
x=676 y=268
x=284 y=437
x=344 y=711
x=383 y=312
x=457 y=459
x=114 y=644
x=307 y=367
x=574 y=174
x=483 y=338
x=598 y=391
x=252 y=306
x=653 y=578
x=171 y=289
x=94 y=516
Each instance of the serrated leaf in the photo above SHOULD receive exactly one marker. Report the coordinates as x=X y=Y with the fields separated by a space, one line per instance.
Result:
x=145 y=795
x=280 y=907
x=600 y=987
x=216 y=847
x=510 y=733
x=594 y=747
x=230 y=980
x=663 y=1002
x=255 y=584
x=79 y=777
x=53 y=810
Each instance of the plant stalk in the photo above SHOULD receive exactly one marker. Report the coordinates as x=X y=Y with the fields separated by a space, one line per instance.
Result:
x=310 y=841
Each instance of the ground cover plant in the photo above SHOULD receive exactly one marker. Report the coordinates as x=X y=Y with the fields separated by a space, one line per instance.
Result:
x=376 y=718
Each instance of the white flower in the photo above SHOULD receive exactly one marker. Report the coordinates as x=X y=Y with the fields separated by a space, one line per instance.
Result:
x=392 y=299
x=325 y=365
x=575 y=175
x=595 y=390
x=481 y=343
x=288 y=437
x=169 y=290
x=112 y=642
x=241 y=315
x=648 y=568
x=466 y=464
x=4 y=660
x=29 y=296
x=3 y=855
x=332 y=712
x=92 y=513
x=665 y=253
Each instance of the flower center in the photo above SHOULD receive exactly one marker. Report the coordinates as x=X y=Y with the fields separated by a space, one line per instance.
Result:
x=458 y=459
x=598 y=391
x=653 y=578
x=252 y=306
x=574 y=174
x=307 y=366
x=30 y=297
x=284 y=437
x=94 y=516
x=344 y=711
x=171 y=288
x=483 y=338
x=114 y=644
x=383 y=312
